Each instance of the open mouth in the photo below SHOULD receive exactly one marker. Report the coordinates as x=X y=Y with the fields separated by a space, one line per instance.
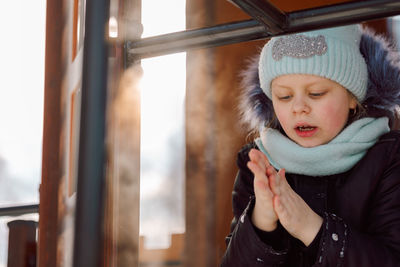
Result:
x=305 y=128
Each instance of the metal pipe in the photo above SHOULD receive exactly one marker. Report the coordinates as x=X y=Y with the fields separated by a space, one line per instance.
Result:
x=200 y=38
x=19 y=210
x=272 y=17
x=341 y=14
x=91 y=174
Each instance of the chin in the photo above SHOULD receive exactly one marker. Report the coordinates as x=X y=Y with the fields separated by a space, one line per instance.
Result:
x=309 y=144
x=306 y=145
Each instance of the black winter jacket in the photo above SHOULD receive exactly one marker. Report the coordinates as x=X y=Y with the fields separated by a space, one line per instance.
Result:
x=360 y=210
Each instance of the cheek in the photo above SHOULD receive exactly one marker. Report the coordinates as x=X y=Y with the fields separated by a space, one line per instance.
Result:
x=335 y=115
x=281 y=114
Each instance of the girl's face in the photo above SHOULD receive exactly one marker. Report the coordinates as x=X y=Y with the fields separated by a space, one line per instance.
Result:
x=311 y=110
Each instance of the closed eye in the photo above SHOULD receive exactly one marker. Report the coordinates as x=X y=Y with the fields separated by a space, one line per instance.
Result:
x=286 y=97
x=317 y=94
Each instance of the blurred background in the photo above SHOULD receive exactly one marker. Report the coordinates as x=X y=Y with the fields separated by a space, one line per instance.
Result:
x=22 y=47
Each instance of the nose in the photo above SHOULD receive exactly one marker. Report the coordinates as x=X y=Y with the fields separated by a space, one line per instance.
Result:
x=300 y=105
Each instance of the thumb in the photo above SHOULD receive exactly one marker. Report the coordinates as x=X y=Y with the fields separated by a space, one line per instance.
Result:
x=282 y=175
x=281 y=178
x=275 y=181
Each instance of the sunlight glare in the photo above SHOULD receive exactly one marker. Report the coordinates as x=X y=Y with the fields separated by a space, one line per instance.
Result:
x=113 y=27
x=162 y=130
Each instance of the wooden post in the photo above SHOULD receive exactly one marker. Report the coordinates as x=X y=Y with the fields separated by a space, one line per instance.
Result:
x=51 y=164
x=213 y=133
x=22 y=243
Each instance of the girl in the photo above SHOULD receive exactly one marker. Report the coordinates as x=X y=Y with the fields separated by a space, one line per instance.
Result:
x=321 y=184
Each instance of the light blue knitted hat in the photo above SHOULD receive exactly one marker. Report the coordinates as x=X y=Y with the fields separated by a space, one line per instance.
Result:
x=330 y=53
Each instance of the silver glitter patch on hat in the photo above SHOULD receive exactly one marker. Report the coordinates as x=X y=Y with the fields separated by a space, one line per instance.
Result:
x=299 y=46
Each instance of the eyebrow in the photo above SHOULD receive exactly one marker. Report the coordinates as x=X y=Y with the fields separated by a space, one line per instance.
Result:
x=279 y=85
x=288 y=87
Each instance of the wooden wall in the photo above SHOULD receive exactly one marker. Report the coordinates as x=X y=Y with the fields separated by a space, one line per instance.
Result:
x=292 y=5
x=213 y=133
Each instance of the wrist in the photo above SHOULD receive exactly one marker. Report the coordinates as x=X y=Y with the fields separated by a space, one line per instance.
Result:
x=268 y=227
x=264 y=224
x=311 y=231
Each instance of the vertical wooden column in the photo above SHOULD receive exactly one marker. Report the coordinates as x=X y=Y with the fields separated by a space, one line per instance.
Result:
x=51 y=165
x=230 y=61
x=200 y=144
x=123 y=141
x=200 y=160
x=22 y=243
x=213 y=133
x=124 y=173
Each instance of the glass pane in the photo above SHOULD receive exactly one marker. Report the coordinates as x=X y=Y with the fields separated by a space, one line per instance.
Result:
x=161 y=17
x=21 y=107
x=162 y=153
x=162 y=156
x=21 y=100
x=157 y=21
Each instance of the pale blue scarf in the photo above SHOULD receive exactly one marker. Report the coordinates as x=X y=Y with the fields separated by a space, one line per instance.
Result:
x=337 y=156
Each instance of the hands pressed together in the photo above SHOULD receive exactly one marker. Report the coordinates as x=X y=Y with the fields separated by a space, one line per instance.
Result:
x=276 y=200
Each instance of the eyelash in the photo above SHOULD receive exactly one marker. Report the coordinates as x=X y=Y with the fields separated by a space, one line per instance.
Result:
x=317 y=94
x=313 y=95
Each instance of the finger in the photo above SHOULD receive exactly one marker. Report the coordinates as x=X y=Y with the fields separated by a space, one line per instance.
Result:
x=264 y=158
x=270 y=171
x=288 y=197
x=281 y=177
x=257 y=170
x=260 y=184
x=259 y=156
x=262 y=188
x=282 y=182
x=273 y=181
x=258 y=153
x=279 y=207
x=256 y=158
x=283 y=213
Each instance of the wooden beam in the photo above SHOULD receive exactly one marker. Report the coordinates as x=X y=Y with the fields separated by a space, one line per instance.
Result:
x=51 y=164
x=22 y=243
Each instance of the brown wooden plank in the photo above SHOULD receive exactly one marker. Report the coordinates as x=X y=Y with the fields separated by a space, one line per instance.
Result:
x=51 y=165
x=121 y=225
x=22 y=243
x=291 y=5
x=213 y=134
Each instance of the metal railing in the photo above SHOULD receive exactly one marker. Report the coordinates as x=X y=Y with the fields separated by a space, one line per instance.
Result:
x=19 y=210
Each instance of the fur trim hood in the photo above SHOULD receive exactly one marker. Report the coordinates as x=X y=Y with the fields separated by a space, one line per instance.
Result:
x=383 y=91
